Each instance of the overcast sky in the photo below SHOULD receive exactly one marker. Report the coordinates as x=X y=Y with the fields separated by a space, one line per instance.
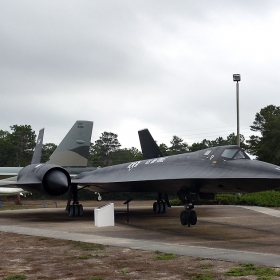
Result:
x=129 y=65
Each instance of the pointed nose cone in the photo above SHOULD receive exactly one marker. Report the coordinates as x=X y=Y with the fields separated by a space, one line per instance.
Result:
x=56 y=182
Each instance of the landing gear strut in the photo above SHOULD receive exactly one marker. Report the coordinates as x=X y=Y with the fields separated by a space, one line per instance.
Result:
x=188 y=216
x=75 y=209
x=161 y=205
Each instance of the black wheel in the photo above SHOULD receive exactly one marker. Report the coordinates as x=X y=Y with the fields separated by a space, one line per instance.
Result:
x=156 y=207
x=81 y=210
x=193 y=218
x=76 y=210
x=71 y=211
x=164 y=206
x=184 y=218
x=161 y=207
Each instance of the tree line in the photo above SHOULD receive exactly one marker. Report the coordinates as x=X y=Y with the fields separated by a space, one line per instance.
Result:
x=16 y=147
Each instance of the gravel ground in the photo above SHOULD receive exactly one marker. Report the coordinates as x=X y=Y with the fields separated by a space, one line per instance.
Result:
x=45 y=258
x=28 y=257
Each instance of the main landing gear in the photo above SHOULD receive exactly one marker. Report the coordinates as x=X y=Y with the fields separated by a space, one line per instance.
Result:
x=188 y=216
x=161 y=205
x=75 y=209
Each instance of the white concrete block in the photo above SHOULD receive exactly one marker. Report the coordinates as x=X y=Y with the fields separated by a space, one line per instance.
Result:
x=104 y=216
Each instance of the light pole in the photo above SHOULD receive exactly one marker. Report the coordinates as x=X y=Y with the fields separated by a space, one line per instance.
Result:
x=237 y=79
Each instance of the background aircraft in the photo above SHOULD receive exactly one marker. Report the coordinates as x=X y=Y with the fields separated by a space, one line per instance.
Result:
x=6 y=172
x=72 y=152
x=36 y=158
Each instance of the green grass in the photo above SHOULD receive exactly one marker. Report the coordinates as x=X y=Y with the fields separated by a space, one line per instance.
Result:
x=199 y=259
x=263 y=273
x=87 y=246
x=17 y=207
x=84 y=257
x=42 y=238
x=15 y=277
x=101 y=256
x=206 y=266
x=123 y=271
x=164 y=256
x=206 y=276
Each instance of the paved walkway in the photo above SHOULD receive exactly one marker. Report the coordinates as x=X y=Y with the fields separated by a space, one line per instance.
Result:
x=264 y=210
x=222 y=237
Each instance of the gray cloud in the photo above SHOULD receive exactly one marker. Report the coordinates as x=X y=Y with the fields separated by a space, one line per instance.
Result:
x=127 y=65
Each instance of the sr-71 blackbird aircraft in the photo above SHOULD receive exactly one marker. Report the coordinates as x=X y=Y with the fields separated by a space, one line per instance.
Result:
x=200 y=174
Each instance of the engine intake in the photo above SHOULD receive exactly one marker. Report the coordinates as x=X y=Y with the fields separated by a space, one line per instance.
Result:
x=45 y=178
x=56 y=182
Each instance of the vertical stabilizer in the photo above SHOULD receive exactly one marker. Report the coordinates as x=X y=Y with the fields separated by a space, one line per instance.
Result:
x=38 y=148
x=74 y=148
x=149 y=146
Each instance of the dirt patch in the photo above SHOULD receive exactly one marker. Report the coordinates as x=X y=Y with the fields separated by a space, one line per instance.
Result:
x=46 y=258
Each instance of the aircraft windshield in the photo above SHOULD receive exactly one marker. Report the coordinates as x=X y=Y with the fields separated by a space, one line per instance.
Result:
x=234 y=154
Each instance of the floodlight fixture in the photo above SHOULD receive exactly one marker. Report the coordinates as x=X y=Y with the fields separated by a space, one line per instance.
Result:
x=236 y=77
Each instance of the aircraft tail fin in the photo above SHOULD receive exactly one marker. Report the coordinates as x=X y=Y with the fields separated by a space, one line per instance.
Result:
x=149 y=146
x=38 y=148
x=73 y=151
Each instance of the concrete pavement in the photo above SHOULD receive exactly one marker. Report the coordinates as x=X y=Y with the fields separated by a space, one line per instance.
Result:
x=223 y=232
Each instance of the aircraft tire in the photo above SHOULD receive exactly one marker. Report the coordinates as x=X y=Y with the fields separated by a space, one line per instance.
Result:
x=71 y=211
x=165 y=207
x=156 y=207
x=193 y=218
x=161 y=207
x=81 y=210
x=76 y=210
x=184 y=218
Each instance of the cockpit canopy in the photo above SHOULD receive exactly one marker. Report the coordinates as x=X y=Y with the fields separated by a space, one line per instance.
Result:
x=226 y=153
x=234 y=153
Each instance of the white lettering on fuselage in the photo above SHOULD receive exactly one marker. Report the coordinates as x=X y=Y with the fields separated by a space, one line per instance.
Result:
x=155 y=160
x=149 y=161
x=133 y=164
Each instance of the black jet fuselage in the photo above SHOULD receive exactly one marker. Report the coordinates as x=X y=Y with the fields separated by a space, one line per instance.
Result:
x=225 y=169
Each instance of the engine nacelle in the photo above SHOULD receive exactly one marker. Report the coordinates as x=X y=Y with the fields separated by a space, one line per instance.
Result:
x=44 y=178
